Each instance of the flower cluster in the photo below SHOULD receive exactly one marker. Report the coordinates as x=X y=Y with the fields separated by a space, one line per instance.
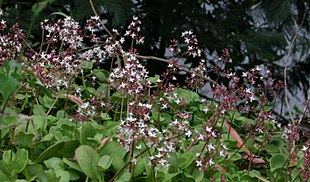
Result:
x=93 y=25
x=305 y=171
x=55 y=70
x=132 y=79
x=210 y=151
x=192 y=44
x=10 y=41
x=193 y=80
x=67 y=31
x=174 y=47
x=134 y=31
x=225 y=57
x=90 y=109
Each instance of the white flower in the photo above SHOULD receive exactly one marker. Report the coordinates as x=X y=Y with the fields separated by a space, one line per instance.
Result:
x=200 y=137
x=159 y=155
x=164 y=106
x=162 y=162
x=123 y=85
x=134 y=161
x=304 y=148
x=208 y=129
x=198 y=163
x=149 y=106
x=85 y=105
x=252 y=98
x=211 y=162
x=230 y=75
x=244 y=74
x=170 y=148
x=177 y=101
x=210 y=147
x=224 y=147
x=248 y=90
x=222 y=153
x=205 y=110
x=188 y=133
x=138 y=147
x=131 y=119
x=258 y=68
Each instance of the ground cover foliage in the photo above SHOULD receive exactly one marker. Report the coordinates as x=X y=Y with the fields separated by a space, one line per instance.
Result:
x=64 y=118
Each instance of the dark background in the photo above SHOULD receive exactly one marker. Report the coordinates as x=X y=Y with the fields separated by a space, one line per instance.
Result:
x=257 y=32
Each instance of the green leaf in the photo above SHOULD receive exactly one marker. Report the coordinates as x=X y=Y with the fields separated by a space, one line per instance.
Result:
x=154 y=79
x=54 y=163
x=4 y=169
x=87 y=131
x=11 y=66
x=105 y=116
x=24 y=139
x=21 y=96
x=7 y=121
x=47 y=101
x=62 y=175
x=274 y=146
x=38 y=7
x=270 y=175
x=277 y=161
x=105 y=162
x=49 y=152
x=139 y=168
x=117 y=152
x=101 y=75
x=87 y=65
x=118 y=96
x=68 y=148
x=87 y=158
x=35 y=171
x=117 y=162
x=188 y=95
x=40 y=122
x=8 y=86
x=169 y=176
x=21 y=160
x=185 y=159
x=91 y=90
x=58 y=149
x=109 y=128
x=15 y=162
x=194 y=174
x=73 y=165
x=39 y=110
x=59 y=13
x=113 y=148
x=124 y=177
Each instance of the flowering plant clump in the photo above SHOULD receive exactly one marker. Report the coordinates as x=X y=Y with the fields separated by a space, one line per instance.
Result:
x=64 y=118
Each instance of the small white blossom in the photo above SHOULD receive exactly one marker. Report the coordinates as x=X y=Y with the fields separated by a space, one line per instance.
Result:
x=205 y=110
x=210 y=147
x=198 y=163
x=211 y=162
x=304 y=148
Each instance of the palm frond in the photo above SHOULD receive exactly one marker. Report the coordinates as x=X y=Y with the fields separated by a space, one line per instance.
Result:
x=277 y=11
x=119 y=9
